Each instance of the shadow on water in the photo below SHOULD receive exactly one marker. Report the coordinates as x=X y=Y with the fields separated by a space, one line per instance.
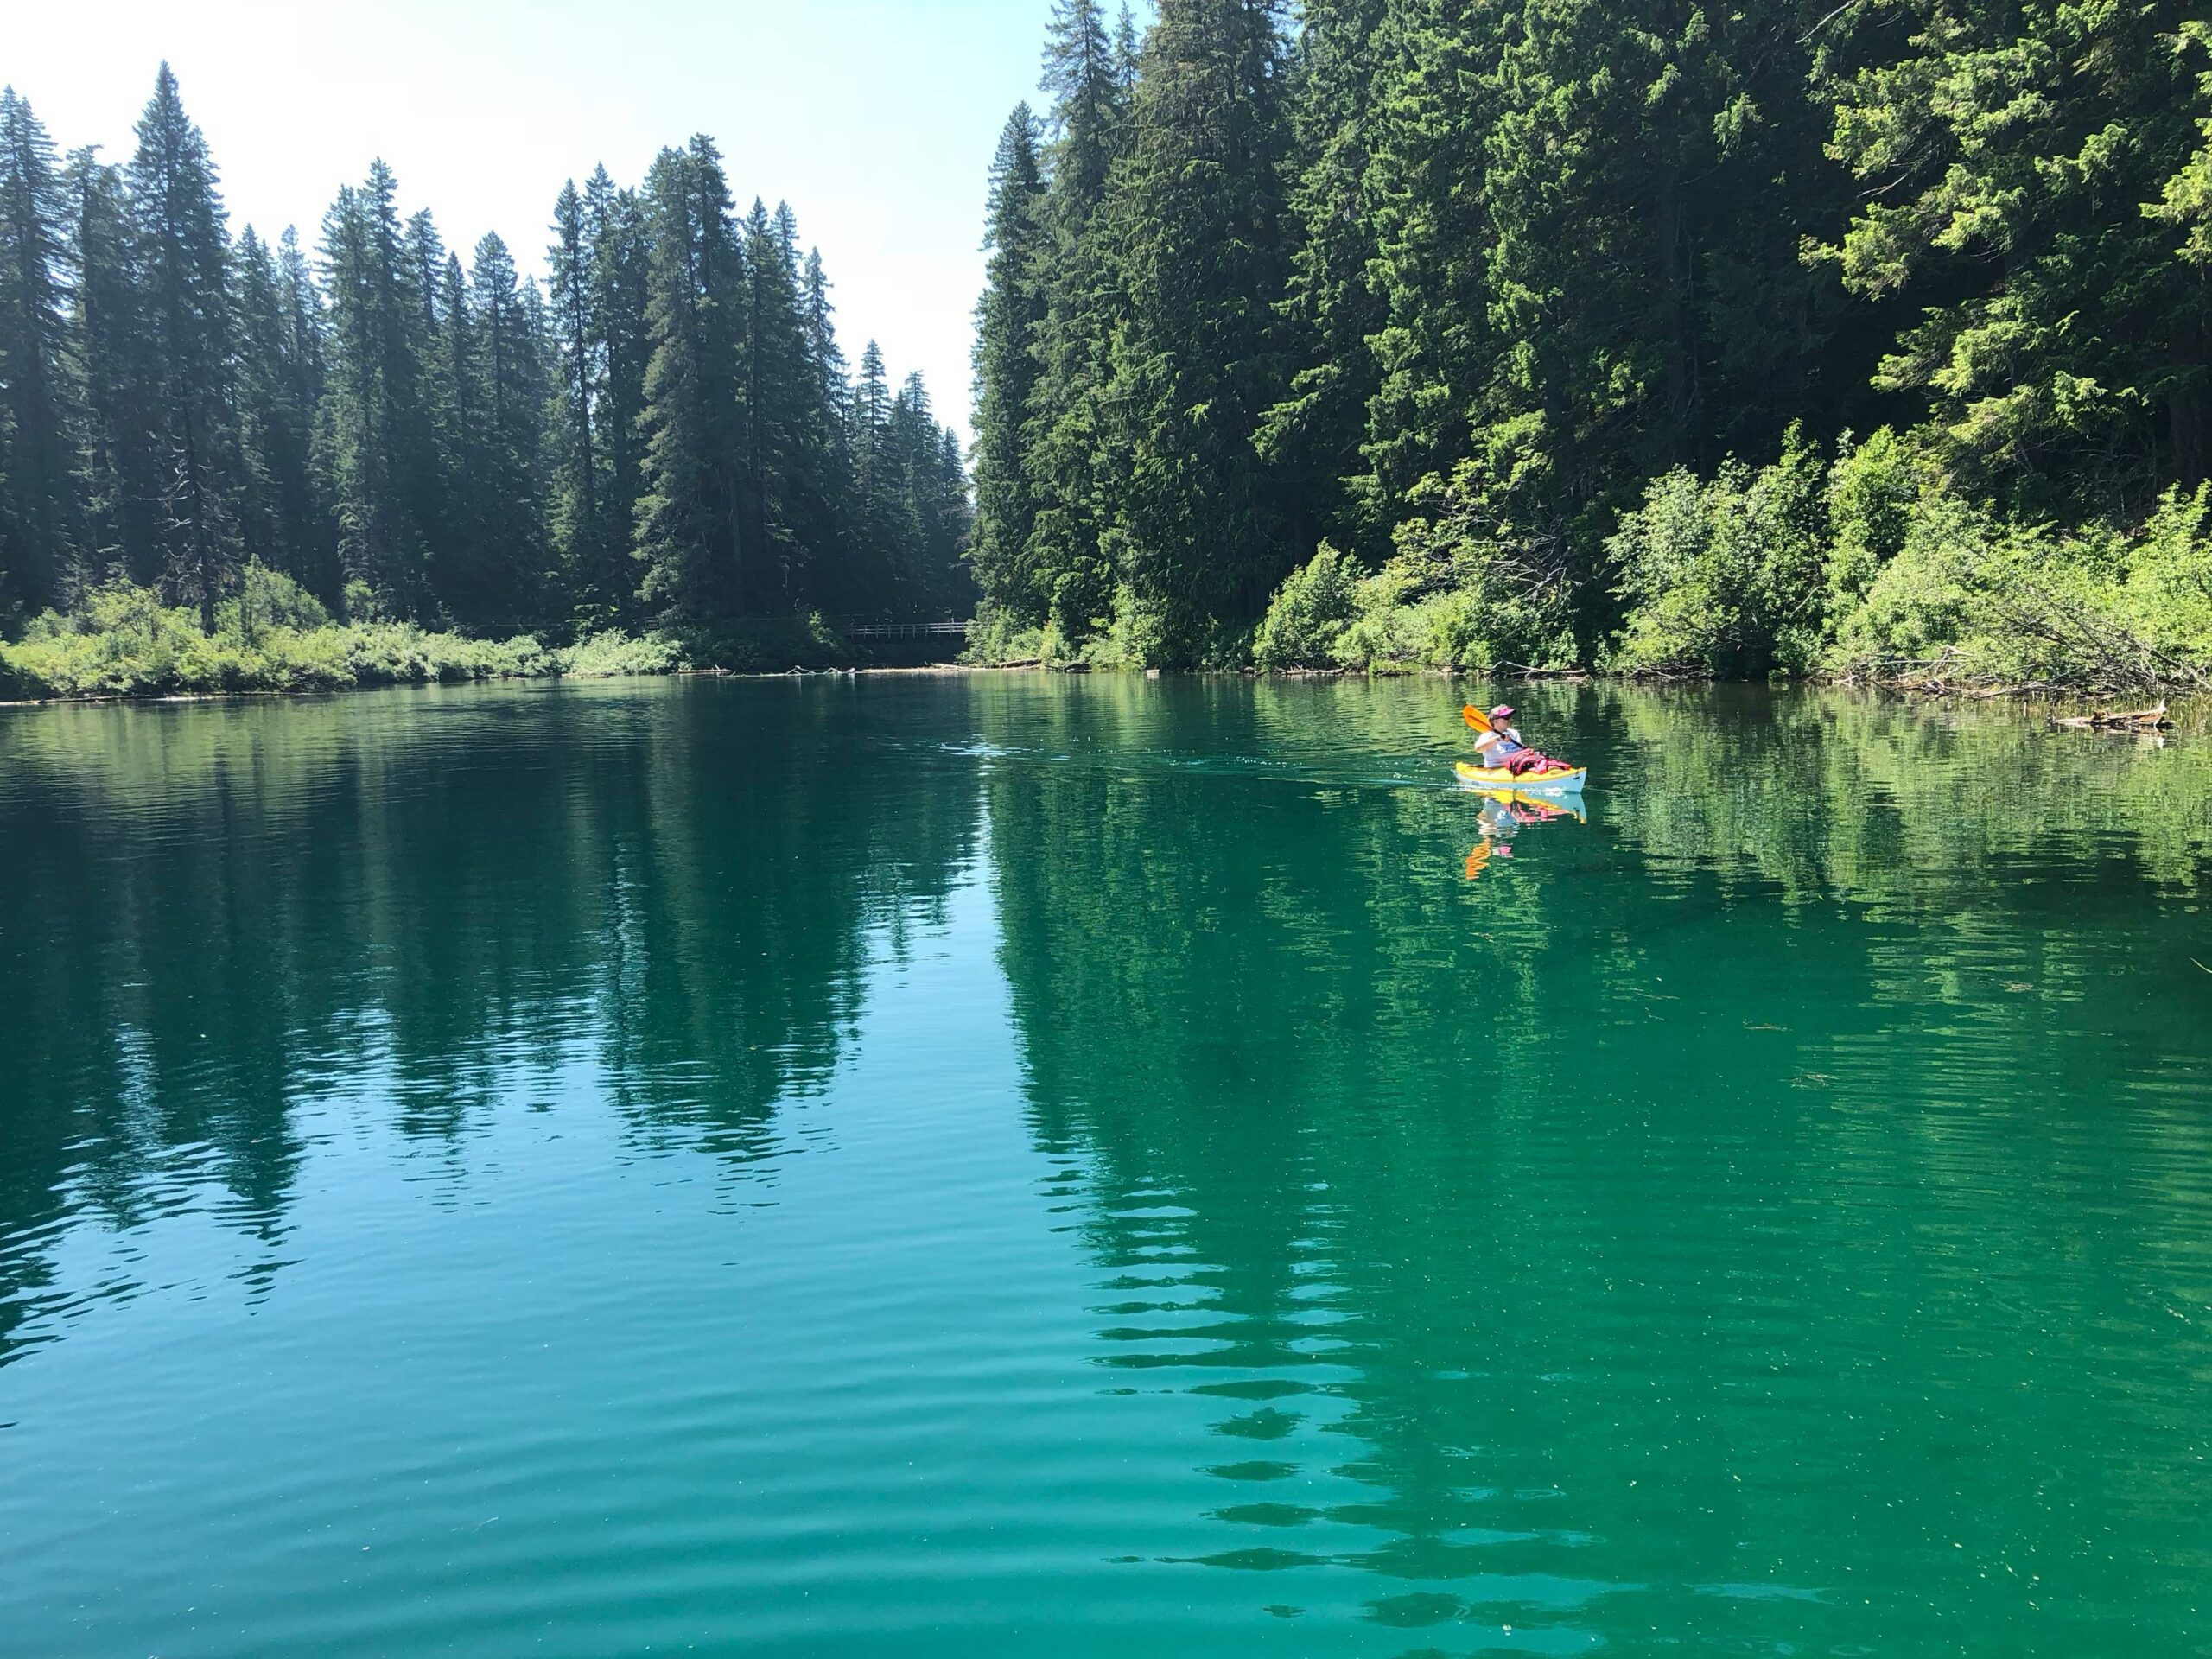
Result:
x=212 y=916
x=1846 y=1068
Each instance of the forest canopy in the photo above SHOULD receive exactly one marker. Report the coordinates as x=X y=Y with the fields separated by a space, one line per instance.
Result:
x=370 y=427
x=1646 y=335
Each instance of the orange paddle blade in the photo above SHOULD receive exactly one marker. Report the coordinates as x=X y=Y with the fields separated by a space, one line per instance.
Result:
x=1476 y=718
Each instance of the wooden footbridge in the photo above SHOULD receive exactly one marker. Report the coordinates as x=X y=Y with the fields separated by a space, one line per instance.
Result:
x=857 y=630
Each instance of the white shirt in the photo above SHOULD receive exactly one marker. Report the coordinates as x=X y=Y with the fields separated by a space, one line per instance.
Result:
x=1487 y=744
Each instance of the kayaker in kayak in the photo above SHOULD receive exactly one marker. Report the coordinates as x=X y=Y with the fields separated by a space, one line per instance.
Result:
x=1502 y=755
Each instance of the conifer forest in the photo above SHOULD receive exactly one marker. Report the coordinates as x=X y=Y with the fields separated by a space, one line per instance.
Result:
x=1863 y=341
x=1792 y=336
x=233 y=458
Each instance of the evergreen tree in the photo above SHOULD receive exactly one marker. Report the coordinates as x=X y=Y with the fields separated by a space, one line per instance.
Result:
x=688 y=520
x=812 y=399
x=1316 y=432
x=440 y=474
x=379 y=454
x=276 y=401
x=835 y=583
x=580 y=531
x=2017 y=164
x=775 y=393
x=673 y=435
x=1085 y=76
x=496 y=378
x=1646 y=295
x=933 y=517
x=177 y=224
x=955 y=521
x=882 y=529
x=1074 y=463
x=618 y=261
x=110 y=346
x=822 y=338
x=1198 y=215
x=37 y=424
x=1422 y=299
x=1126 y=49
x=305 y=365
x=1007 y=324
x=2185 y=198
x=454 y=404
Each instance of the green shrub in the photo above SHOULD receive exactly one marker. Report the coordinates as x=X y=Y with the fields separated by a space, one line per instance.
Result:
x=765 y=645
x=1726 y=576
x=1138 y=634
x=1976 y=599
x=1393 y=633
x=359 y=603
x=613 y=654
x=268 y=599
x=1872 y=493
x=1309 y=613
x=2166 y=598
x=1919 y=605
x=1447 y=598
x=274 y=636
x=1481 y=579
x=996 y=635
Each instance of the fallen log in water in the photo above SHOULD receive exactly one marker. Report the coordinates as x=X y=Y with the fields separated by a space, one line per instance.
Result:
x=2119 y=719
x=1529 y=672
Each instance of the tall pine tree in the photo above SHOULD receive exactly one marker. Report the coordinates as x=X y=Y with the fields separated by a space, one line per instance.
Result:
x=1007 y=323
x=1074 y=458
x=177 y=215
x=283 y=511
x=1198 y=216
x=690 y=529
x=112 y=349
x=37 y=425
x=580 y=529
x=379 y=455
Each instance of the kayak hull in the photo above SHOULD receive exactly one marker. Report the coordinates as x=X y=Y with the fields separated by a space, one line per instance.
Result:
x=1548 y=783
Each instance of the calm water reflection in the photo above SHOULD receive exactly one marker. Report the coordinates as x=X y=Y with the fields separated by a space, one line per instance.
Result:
x=1016 y=1165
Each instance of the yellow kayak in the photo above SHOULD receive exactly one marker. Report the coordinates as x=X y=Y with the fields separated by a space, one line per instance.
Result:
x=1553 y=782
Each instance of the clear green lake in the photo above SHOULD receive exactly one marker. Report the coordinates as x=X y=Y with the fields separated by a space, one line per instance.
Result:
x=1023 y=1164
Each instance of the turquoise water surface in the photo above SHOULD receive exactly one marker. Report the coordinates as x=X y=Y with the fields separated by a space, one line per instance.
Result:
x=1022 y=1165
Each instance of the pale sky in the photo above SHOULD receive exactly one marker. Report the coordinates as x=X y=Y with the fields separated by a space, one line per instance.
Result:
x=874 y=119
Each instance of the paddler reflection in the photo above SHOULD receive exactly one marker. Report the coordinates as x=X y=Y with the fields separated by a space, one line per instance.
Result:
x=1502 y=814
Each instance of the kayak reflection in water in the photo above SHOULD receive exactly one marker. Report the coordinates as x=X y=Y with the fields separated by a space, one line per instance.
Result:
x=1502 y=813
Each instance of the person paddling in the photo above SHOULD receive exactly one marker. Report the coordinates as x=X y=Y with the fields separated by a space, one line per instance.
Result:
x=1499 y=745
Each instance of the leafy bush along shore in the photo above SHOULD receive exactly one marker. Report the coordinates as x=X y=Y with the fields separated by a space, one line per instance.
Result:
x=274 y=636
x=1876 y=569
x=1869 y=567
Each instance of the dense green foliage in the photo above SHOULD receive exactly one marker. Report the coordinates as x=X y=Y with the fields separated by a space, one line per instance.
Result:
x=271 y=635
x=666 y=436
x=1559 y=320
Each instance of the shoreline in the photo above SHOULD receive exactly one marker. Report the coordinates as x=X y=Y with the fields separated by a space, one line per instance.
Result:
x=256 y=693
x=2178 y=710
